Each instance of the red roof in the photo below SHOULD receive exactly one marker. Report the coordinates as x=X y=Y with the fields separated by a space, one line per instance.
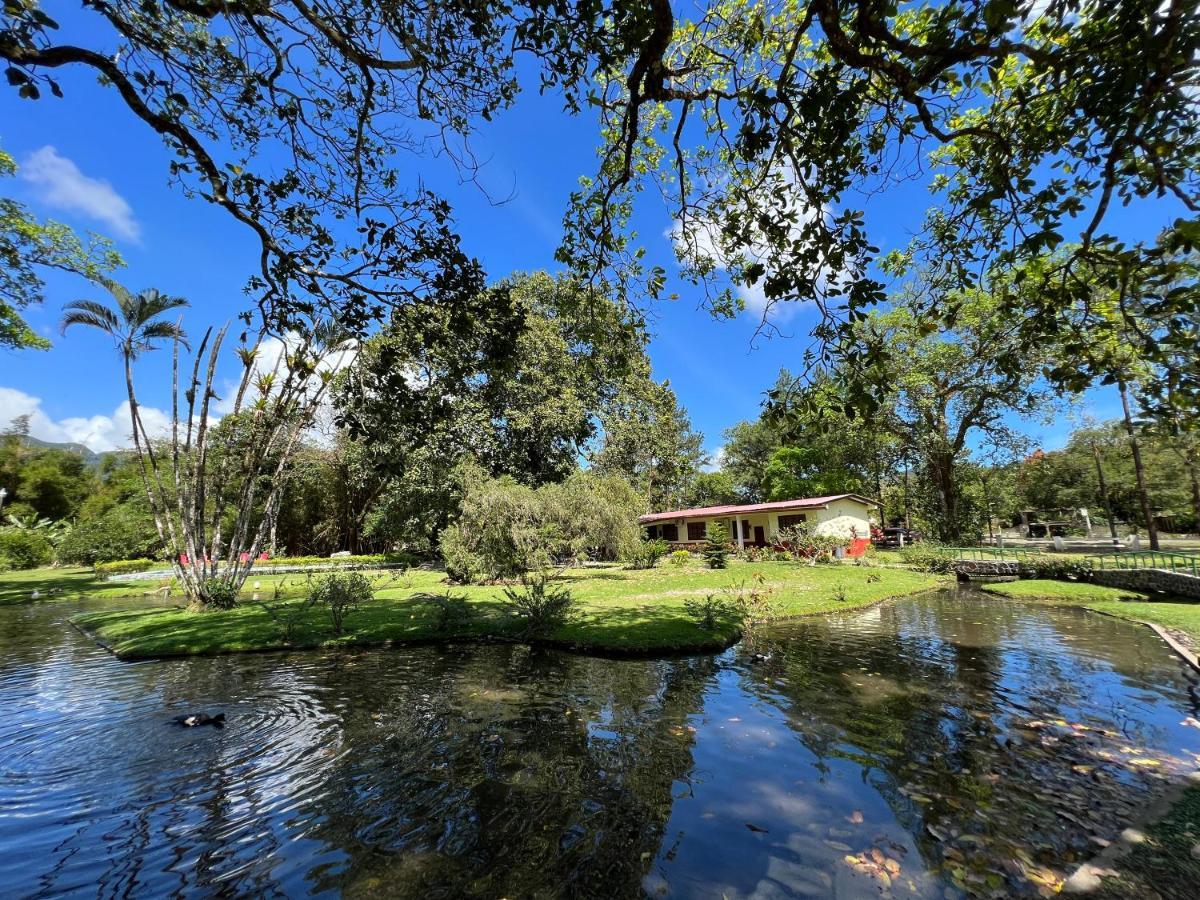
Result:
x=711 y=511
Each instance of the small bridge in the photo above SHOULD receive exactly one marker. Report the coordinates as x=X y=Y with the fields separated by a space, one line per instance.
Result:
x=1151 y=571
x=987 y=562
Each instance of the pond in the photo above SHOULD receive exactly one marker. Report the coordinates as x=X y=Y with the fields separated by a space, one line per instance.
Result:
x=937 y=746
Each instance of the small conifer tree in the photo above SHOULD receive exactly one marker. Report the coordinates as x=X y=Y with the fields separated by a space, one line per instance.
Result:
x=716 y=547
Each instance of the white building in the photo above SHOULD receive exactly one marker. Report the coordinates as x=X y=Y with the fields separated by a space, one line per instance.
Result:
x=759 y=524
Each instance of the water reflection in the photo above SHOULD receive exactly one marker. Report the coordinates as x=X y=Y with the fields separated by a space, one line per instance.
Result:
x=922 y=748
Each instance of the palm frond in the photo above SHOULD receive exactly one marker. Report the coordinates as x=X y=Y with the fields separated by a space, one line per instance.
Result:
x=91 y=313
x=165 y=330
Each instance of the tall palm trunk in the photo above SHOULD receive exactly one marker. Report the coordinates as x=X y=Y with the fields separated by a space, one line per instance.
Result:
x=1138 y=469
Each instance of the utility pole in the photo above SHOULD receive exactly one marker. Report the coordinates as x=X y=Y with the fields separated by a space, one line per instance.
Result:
x=1112 y=525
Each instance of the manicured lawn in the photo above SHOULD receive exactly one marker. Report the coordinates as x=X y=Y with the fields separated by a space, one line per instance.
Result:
x=1178 y=616
x=619 y=611
x=67 y=584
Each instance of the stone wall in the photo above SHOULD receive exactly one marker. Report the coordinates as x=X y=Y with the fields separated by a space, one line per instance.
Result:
x=986 y=568
x=1150 y=580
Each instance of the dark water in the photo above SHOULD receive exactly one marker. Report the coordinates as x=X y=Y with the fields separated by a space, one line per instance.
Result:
x=919 y=749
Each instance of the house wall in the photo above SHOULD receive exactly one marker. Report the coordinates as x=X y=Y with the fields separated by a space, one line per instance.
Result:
x=844 y=518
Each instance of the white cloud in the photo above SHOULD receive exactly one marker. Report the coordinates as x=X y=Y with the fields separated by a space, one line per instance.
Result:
x=705 y=243
x=98 y=432
x=716 y=458
x=64 y=186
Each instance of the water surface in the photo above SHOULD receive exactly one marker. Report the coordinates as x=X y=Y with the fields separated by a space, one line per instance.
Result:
x=930 y=747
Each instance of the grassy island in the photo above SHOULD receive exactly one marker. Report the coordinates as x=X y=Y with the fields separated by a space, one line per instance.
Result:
x=619 y=611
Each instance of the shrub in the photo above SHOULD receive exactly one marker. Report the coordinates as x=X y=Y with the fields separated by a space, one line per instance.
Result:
x=450 y=611
x=542 y=605
x=462 y=564
x=121 y=533
x=680 y=558
x=839 y=592
x=754 y=604
x=341 y=593
x=1044 y=566
x=125 y=566
x=648 y=553
x=286 y=616
x=802 y=543
x=23 y=548
x=716 y=547
x=711 y=611
x=928 y=558
x=218 y=593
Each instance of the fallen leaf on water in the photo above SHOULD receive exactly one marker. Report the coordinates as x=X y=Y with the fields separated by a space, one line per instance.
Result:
x=855 y=818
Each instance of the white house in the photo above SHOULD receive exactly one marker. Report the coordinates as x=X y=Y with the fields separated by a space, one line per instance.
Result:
x=759 y=524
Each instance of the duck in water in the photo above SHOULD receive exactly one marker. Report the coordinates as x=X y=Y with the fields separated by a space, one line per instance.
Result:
x=195 y=720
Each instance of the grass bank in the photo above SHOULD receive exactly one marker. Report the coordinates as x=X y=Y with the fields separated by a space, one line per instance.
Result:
x=1180 y=617
x=1166 y=863
x=619 y=612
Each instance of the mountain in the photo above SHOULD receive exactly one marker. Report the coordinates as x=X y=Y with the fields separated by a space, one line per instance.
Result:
x=90 y=456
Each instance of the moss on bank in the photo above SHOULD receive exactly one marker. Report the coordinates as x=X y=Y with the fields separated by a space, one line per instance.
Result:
x=1167 y=863
x=620 y=612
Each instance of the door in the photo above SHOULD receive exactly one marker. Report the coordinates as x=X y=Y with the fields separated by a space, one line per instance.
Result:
x=760 y=536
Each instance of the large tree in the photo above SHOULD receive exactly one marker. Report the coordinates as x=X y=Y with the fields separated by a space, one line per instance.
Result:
x=950 y=395
x=769 y=124
x=648 y=439
x=519 y=395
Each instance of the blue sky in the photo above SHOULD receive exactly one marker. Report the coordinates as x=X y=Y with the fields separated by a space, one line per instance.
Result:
x=89 y=163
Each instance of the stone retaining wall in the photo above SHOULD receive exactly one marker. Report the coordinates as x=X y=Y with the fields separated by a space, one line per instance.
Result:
x=1150 y=580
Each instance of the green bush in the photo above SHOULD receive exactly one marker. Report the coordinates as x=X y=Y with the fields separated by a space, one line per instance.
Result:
x=680 y=558
x=23 y=548
x=1045 y=566
x=928 y=558
x=450 y=611
x=463 y=565
x=126 y=566
x=341 y=593
x=121 y=533
x=647 y=554
x=218 y=593
x=712 y=610
x=542 y=605
x=716 y=546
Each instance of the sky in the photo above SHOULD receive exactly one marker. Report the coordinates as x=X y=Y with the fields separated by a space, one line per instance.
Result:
x=86 y=161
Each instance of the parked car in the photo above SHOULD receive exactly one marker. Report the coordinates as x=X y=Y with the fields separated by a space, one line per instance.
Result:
x=893 y=538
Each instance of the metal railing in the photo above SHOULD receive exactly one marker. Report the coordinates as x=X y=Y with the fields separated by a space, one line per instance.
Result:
x=985 y=554
x=1182 y=563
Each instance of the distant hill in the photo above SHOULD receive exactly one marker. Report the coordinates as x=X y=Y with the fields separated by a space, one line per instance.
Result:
x=90 y=456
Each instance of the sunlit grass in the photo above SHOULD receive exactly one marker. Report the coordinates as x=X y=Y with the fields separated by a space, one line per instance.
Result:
x=1178 y=615
x=619 y=611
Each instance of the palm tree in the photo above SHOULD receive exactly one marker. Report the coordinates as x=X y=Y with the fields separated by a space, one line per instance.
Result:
x=132 y=326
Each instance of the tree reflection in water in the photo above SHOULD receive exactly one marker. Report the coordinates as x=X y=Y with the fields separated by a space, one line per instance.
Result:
x=929 y=746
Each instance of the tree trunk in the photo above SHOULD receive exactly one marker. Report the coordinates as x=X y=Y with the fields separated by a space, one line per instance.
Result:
x=1112 y=522
x=1138 y=470
x=1192 y=467
x=941 y=472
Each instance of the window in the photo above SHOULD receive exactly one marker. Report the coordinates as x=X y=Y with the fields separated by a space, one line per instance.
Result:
x=792 y=521
x=696 y=531
x=651 y=532
x=670 y=532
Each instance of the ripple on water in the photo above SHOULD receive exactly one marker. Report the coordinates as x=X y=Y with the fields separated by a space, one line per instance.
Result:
x=922 y=744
